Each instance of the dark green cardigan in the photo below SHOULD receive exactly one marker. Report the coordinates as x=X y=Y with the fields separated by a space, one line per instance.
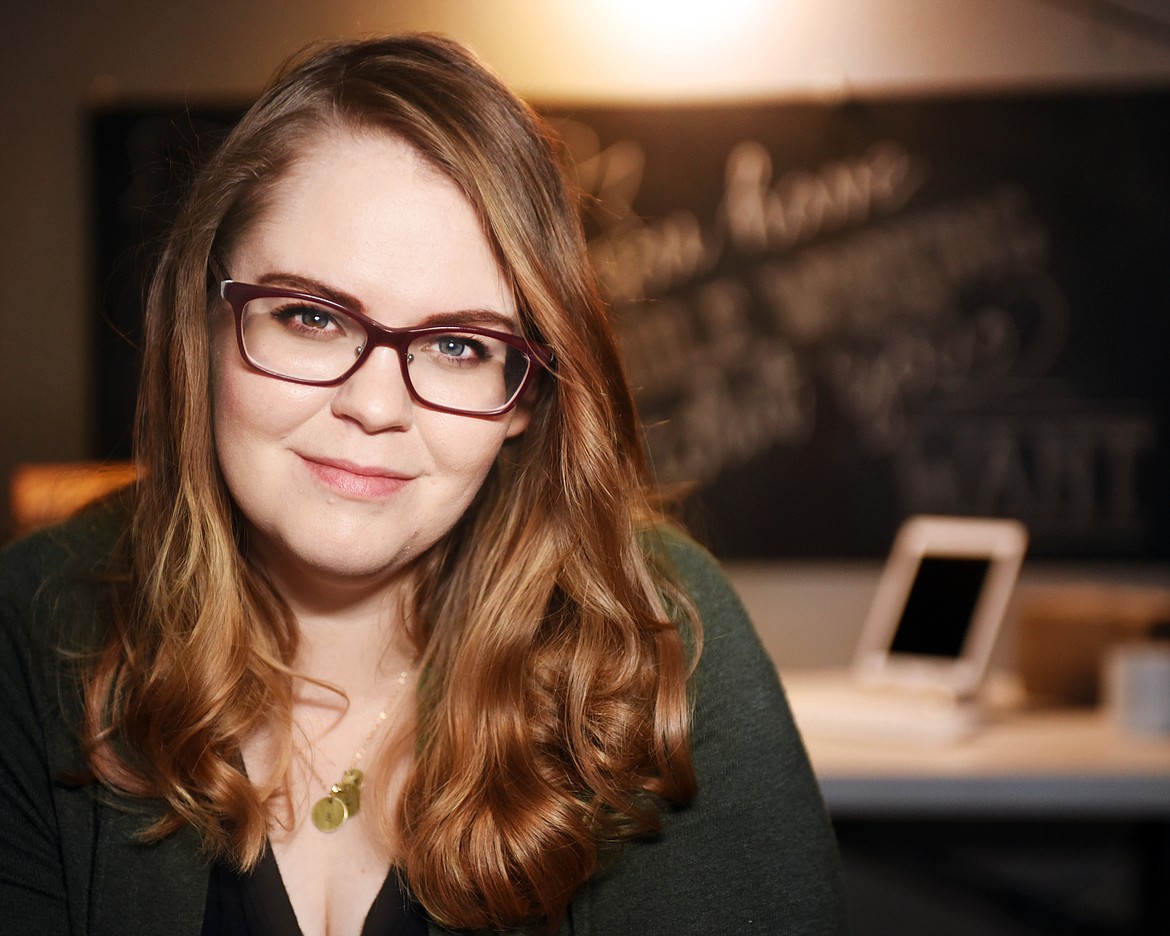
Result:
x=754 y=853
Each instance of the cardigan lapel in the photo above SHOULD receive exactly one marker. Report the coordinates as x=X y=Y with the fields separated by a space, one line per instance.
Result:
x=145 y=888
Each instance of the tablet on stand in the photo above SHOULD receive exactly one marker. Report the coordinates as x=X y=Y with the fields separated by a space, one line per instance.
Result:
x=929 y=636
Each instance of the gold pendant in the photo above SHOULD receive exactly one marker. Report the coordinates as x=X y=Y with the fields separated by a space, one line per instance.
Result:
x=350 y=794
x=350 y=797
x=330 y=812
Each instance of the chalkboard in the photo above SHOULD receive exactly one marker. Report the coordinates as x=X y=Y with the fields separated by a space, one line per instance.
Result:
x=840 y=314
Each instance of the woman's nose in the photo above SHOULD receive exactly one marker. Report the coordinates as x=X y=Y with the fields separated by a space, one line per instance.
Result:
x=376 y=396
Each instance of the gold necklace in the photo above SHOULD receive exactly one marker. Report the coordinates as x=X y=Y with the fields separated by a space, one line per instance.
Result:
x=344 y=799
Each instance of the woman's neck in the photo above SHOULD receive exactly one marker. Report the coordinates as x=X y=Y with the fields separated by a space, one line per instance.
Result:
x=356 y=649
x=352 y=630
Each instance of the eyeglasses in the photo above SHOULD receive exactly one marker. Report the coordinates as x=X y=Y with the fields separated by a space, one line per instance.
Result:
x=308 y=340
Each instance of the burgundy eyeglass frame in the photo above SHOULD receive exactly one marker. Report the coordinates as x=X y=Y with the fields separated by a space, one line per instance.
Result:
x=237 y=295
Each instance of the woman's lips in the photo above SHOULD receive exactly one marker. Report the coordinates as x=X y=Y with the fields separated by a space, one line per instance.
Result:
x=367 y=483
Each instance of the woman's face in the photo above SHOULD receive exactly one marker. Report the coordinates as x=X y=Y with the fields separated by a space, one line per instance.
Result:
x=350 y=483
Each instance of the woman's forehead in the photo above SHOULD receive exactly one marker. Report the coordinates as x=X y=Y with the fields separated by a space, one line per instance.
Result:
x=368 y=214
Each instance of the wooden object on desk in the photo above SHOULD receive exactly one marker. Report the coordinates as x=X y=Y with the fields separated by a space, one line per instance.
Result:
x=1063 y=634
x=40 y=494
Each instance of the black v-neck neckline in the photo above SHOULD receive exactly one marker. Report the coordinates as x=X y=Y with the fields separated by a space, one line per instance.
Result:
x=258 y=904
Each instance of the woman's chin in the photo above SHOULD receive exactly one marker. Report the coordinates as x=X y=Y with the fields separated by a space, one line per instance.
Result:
x=333 y=560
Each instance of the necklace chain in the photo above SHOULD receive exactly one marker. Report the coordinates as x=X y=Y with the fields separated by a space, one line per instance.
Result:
x=342 y=800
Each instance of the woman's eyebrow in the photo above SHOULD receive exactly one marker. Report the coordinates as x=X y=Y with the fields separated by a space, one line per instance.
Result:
x=307 y=284
x=475 y=318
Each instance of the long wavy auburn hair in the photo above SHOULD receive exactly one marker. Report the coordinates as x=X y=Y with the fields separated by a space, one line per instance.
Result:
x=552 y=716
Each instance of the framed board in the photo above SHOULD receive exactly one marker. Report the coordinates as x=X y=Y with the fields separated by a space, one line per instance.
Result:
x=840 y=315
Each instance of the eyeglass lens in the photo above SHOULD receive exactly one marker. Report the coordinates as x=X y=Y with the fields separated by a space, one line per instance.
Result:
x=457 y=368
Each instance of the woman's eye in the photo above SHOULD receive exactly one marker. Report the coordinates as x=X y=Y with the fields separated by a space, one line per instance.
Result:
x=306 y=318
x=314 y=319
x=460 y=346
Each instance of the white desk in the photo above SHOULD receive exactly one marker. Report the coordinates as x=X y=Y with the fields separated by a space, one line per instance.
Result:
x=1068 y=764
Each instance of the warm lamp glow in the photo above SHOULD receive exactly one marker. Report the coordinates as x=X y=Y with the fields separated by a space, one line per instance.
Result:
x=660 y=49
x=691 y=22
x=41 y=494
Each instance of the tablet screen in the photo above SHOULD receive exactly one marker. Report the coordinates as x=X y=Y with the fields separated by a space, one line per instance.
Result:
x=941 y=605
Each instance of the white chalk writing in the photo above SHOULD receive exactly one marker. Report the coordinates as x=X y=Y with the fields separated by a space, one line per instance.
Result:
x=1071 y=474
x=826 y=290
x=808 y=203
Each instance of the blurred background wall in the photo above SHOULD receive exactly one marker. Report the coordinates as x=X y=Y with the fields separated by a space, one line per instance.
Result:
x=58 y=60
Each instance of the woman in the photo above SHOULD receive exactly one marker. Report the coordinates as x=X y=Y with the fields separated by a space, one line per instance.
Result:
x=388 y=638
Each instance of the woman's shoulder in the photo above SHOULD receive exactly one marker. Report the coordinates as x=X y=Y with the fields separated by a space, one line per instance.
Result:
x=701 y=576
x=753 y=852
x=689 y=562
x=66 y=564
x=85 y=539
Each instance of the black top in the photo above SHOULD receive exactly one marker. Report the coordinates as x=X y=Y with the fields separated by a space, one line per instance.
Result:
x=257 y=904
